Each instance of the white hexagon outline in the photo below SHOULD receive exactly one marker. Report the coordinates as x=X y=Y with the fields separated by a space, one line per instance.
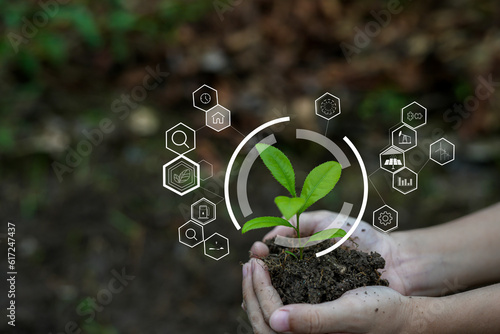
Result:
x=214 y=209
x=205 y=246
x=387 y=149
x=187 y=165
x=202 y=234
x=409 y=191
x=167 y=141
x=386 y=207
x=410 y=128
x=206 y=118
x=316 y=106
x=181 y=193
x=216 y=97
x=169 y=173
x=425 y=115
x=430 y=151
x=211 y=169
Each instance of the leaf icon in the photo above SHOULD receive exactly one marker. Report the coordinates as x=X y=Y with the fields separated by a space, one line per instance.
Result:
x=183 y=176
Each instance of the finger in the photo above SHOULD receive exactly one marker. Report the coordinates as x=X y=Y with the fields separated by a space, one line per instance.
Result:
x=279 y=230
x=310 y=222
x=366 y=239
x=267 y=295
x=259 y=250
x=252 y=304
x=364 y=230
x=336 y=316
x=316 y=221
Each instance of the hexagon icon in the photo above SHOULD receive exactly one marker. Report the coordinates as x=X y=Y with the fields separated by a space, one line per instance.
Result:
x=442 y=151
x=216 y=246
x=180 y=139
x=206 y=170
x=218 y=118
x=392 y=159
x=414 y=115
x=205 y=98
x=385 y=219
x=181 y=175
x=405 y=180
x=191 y=234
x=327 y=106
x=404 y=138
x=203 y=211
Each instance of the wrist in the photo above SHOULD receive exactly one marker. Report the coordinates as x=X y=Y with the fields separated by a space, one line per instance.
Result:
x=424 y=315
x=411 y=262
x=426 y=262
x=474 y=311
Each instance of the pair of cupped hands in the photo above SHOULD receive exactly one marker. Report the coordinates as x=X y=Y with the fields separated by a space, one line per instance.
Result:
x=373 y=309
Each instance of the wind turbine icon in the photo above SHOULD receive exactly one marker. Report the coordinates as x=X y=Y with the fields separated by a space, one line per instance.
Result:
x=443 y=154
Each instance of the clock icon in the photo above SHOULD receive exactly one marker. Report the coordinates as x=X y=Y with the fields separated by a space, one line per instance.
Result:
x=205 y=98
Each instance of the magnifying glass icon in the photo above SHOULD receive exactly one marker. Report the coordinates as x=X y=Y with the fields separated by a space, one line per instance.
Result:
x=183 y=134
x=191 y=235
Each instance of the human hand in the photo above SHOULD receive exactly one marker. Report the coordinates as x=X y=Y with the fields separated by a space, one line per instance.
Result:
x=363 y=310
x=367 y=240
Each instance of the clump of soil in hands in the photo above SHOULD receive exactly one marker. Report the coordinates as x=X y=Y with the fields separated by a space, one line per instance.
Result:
x=321 y=279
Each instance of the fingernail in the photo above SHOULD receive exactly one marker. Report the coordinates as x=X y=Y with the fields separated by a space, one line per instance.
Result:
x=279 y=321
x=245 y=270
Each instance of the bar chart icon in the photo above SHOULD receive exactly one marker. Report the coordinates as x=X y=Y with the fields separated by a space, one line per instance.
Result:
x=405 y=180
x=402 y=182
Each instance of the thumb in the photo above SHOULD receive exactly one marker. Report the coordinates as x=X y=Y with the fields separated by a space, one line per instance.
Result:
x=304 y=318
x=259 y=250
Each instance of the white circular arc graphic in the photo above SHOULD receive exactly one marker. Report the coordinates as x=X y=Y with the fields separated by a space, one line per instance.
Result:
x=233 y=158
x=363 y=204
x=286 y=119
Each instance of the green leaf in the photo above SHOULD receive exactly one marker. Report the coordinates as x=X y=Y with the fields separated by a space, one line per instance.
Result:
x=320 y=181
x=327 y=234
x=261 y=222
x=289 y=206
x=183 y=176
x=279 y=165
x=295 y=256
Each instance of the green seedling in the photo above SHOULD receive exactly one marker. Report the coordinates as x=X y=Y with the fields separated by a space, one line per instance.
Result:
x=320 y=181
x=292 y=254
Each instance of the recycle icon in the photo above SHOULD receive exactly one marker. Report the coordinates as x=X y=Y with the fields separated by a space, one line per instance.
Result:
x=411 y=116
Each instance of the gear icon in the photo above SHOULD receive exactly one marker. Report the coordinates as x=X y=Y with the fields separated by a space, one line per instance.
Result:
x=328 y=107
x=385 y=218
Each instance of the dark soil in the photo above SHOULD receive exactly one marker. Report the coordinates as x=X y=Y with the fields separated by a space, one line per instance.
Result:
x=316 y=280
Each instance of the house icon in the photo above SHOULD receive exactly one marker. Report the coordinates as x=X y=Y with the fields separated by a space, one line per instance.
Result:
x=217 y=118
